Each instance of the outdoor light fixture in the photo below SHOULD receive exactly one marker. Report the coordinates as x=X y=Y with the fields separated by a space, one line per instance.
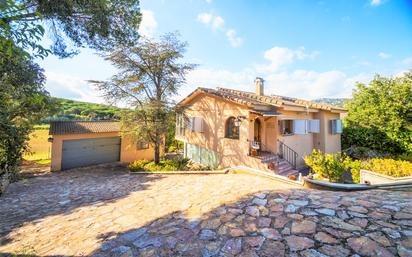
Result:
x=238 y=120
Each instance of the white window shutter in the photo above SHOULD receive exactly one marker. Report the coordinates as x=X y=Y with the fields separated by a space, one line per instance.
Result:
x=300 y=127
x=314 y=126
x=191 y=125
x=337 y=127
x=198 y=124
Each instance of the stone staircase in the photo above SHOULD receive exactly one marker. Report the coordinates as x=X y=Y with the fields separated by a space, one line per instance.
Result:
x=278 y=165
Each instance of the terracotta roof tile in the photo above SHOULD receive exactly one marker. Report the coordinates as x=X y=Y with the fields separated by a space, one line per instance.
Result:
x=82 y=127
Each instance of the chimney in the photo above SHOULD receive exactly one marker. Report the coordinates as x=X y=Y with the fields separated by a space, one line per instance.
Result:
x=259 y=86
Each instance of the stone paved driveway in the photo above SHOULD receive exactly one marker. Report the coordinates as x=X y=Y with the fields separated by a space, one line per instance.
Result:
x=105 y=212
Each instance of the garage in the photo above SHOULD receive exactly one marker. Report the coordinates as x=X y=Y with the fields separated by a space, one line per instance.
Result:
x=92 y=151
x=84 y=143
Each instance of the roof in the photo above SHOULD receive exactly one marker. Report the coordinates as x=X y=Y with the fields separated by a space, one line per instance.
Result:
x=82 y=127
x=251 y=99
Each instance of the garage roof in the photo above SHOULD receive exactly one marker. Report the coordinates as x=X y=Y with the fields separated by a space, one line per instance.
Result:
x=82 y=127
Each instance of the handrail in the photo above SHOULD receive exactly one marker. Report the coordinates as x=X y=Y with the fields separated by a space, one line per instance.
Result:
x=287 y=153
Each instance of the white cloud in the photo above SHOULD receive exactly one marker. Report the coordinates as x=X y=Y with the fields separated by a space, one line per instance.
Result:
x=304 y=84
x=214 y=21
x=281 y=56
x=72 y=87
x=376 y=2
x=234 y=40
x=407 y=61
x=384 y=55
x=148 y=24
x=300 y=83
x=208 y=1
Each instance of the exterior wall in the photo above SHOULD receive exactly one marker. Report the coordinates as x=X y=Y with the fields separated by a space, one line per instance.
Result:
x=325 y=140
x=374 y=178
x=214 y=112
x=231 y=152
x=128 y=151
x=301 y=144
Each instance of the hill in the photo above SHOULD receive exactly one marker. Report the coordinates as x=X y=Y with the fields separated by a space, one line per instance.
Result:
x=76 y=110
x=332 y=101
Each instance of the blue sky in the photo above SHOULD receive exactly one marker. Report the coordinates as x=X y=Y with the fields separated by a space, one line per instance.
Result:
x=306 y=49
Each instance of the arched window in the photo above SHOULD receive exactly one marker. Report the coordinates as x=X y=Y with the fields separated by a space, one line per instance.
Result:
x=232 y=131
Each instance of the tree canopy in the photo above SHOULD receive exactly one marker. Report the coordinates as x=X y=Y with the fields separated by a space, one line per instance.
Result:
x=383 y=106
x=70 y=24
x=150 y=74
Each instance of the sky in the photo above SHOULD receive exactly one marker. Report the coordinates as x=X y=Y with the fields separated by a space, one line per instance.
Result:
x=304 y=49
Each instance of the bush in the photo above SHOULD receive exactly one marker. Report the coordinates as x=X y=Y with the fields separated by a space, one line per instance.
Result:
x=330 y=166
x=369 y=138
x=390 y=167
x=138 y=165
x=333 y=166
x=164 y=165
x=405 y=157
x=151 y=166
x=354 y=166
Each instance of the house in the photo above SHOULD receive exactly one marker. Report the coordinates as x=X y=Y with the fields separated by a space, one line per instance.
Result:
x=227 y=127
x=83 y=143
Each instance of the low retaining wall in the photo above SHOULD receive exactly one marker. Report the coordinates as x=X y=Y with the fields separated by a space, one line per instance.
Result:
x=373 y=178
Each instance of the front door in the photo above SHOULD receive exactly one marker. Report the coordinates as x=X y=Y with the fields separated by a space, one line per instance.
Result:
x=257 y=131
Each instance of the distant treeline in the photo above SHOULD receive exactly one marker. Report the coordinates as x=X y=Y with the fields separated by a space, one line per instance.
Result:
x=332 y=101
x=66 y=109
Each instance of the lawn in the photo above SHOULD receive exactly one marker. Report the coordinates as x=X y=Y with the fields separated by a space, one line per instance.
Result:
x=39 y=147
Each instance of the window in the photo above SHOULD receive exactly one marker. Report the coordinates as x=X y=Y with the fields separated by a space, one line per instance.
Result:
x=180 y=125
x=231 y=130
x=141 y=145
x=336 y=127
x=286 y=127
x=196 y=124
x=314 y=126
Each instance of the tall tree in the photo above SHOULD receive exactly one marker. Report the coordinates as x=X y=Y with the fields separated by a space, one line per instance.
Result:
x=149 y=76
x=383 y=106
x=23 y=100
x=98 y=24
x=70 y=24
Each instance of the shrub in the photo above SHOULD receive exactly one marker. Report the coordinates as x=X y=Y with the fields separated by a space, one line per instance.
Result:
x=164 y=165
x=330 y=166
x=354 y=166
x=405 y=157
x=138 y=165
x=390 y=167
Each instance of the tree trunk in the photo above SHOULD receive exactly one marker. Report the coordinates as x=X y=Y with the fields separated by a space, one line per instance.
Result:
x=156 y=152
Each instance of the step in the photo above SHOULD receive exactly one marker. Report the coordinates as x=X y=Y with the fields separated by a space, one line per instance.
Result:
x=289 y=173
x=270 y=159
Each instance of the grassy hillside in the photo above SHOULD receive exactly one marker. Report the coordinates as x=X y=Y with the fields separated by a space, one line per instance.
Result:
x=76 y=110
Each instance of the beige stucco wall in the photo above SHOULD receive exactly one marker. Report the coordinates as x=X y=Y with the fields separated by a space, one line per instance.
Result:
x=325 y=140
x=301 y=144
x=128 y=150
x=215 y=111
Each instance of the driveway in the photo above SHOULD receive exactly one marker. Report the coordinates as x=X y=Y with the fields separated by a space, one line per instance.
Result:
x=104 y=211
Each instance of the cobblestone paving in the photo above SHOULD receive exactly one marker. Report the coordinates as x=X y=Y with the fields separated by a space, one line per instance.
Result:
x=109 y=213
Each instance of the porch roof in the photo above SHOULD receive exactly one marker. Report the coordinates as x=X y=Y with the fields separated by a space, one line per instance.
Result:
x=267 y=113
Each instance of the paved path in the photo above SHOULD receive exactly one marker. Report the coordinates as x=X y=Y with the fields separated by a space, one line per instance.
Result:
x=105 y=212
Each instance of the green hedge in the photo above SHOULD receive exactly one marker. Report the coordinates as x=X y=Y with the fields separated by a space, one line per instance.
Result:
x=178 y=164
x=333 y=166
